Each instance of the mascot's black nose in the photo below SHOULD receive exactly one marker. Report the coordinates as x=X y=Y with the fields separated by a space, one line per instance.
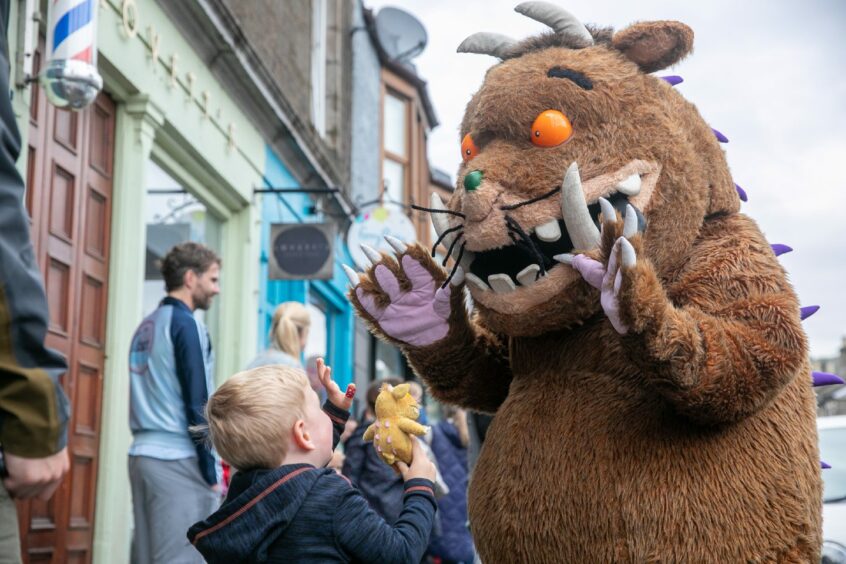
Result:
x=472 y=180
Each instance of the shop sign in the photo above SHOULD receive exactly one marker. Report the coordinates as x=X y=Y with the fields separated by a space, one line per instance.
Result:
x=301 y=251
x=370 y=228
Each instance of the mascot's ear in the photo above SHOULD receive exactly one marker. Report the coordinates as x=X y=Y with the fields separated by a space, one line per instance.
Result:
x=654 y=45
x=400 y=391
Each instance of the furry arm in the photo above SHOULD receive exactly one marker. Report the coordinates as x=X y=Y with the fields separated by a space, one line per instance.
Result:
x=725 y=336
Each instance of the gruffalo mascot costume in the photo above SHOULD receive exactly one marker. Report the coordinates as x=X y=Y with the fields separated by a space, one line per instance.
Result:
x=633 y=332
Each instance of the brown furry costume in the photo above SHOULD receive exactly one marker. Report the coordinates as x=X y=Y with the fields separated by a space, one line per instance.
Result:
x=692 y=437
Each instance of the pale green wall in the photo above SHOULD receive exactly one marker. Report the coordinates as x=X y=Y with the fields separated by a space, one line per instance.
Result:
x=158 y=117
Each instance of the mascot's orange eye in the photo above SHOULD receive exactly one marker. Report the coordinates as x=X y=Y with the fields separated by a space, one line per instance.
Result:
x=468 y=148
x=551 y=128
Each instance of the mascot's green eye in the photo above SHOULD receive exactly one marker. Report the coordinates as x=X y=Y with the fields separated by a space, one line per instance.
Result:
x=551 y=128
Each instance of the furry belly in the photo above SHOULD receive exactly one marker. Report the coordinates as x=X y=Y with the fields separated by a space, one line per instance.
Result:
x=571 y=474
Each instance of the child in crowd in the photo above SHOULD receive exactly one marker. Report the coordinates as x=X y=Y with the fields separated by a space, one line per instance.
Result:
x=283 y=505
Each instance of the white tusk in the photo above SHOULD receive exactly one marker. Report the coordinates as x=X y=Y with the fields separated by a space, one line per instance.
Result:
x=528 y=275
x=630 y=186
x=396 y=244
x=474 y=280
x=439 y=220
x=458 y=277
x=352 y=275
x=630 y=222
x=501 y=283
x=372 y=254
x=583 y=233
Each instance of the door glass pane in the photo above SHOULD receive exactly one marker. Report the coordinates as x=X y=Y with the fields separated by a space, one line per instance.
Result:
x=395 y=125
x=174 y=216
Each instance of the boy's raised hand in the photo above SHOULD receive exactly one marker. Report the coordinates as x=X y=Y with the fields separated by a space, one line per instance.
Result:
x=333 y=392
x=421 y=466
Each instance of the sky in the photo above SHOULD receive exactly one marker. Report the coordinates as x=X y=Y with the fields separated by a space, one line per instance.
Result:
x=768 y=74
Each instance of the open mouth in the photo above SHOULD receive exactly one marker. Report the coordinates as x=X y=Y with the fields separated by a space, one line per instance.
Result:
x=524 y=262
x=537 y=250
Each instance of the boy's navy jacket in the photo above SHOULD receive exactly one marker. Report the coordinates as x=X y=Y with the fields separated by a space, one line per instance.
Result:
x=299 y=513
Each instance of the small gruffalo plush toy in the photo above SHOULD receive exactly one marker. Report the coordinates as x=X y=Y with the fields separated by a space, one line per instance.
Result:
x=396 y=414
x=633 y=331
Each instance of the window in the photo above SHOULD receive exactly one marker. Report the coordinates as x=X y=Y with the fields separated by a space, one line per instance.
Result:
x=173 y=216
x=318 y=65
x=395 y=145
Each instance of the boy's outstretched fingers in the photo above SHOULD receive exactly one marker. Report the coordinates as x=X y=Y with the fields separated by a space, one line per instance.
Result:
x=350 y=391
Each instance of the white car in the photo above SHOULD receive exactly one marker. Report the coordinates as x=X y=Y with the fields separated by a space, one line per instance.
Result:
x=832 y=432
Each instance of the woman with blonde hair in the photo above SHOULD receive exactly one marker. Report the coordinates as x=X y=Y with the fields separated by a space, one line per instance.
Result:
x=288 y=336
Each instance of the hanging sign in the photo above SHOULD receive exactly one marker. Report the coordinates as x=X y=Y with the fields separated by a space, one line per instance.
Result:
x=370 y=228
x=301 y=251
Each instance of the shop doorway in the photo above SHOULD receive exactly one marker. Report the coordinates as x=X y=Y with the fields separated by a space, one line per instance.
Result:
x=69 y=198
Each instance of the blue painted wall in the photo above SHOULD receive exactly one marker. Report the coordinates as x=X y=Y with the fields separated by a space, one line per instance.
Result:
x=330 y=294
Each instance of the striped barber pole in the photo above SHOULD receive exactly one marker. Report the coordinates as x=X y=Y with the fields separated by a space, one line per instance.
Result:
x=70 y=77
x=72 y=30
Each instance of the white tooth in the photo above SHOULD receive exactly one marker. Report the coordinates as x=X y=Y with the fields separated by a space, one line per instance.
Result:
x=630 y=222
x=583 y=233
x=549 y=231
x=630 y=186
x=565 y=258
x=372 y=254
x=458 y=277
x=527 y=276
x=474 y=280
x=440 y=220
x=501 y=283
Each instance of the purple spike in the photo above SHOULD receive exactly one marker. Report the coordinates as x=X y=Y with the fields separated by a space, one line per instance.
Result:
x=720 y=137
x=742 y=193
x=824 y=465
x=807 y=311
x=780 y=249
x=673 y=79
x=826 y=379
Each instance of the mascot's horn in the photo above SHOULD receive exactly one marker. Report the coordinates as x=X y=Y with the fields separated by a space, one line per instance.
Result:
x=485 y=43
x=563 y=22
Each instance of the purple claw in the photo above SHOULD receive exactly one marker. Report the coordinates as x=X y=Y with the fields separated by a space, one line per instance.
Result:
x=780 y=249
x=673 y=79
x=826 y=379
x=742 y=193
x=807 y=311
x=720 y=137
x=824 y=465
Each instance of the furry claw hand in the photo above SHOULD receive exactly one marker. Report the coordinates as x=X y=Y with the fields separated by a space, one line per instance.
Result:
x=608 y=279
x=405 y=299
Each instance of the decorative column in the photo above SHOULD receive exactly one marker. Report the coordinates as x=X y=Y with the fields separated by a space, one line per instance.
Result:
x=138 y=119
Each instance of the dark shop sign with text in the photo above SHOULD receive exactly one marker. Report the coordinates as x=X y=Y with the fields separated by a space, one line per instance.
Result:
x=301 y=251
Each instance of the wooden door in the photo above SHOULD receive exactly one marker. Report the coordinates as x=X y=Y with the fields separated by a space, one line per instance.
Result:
x=69 y=191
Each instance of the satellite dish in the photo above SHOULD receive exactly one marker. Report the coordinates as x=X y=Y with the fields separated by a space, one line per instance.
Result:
x=400 y=34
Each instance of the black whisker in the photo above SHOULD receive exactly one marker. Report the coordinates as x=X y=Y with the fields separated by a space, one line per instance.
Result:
x=455 y=266
x=512 y=223
x=532 y=201
x=444 y=234
x=451 y=247
x=431 y=210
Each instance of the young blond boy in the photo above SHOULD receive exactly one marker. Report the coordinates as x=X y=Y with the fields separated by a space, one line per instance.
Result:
x=283 y=504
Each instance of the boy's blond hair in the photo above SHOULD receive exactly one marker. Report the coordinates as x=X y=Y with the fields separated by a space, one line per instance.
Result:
x=251 y=415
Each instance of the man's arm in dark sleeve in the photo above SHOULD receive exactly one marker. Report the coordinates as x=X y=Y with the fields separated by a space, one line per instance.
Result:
x=191 y=373
x=366 y=537
x=33 y=407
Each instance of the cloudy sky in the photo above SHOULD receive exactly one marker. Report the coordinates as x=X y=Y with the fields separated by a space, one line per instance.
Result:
x=769 y=75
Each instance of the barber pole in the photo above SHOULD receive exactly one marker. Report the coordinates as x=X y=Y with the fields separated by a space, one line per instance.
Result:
x=70 y=76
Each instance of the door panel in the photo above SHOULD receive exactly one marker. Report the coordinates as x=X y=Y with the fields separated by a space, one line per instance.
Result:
x=69 y=191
